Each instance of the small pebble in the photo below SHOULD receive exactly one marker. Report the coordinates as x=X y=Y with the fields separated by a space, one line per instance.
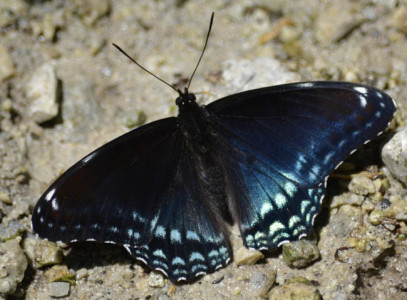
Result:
x=394 y=155
x=300 y=253
x=7 y=105
x=399 y=18
x=376 y=216
x=81 y=273
x=361 y=245
x=295 y=290
x=247 y=257
x=6 y=64
x=156 y=280
x=59 y=273
x=58 y=289
x=5 y=198
x=13 y=264
x=42 y=252
x=261 y=283
x=361 y=185
x=11 y=230
x=347 y=198
x=42 y=92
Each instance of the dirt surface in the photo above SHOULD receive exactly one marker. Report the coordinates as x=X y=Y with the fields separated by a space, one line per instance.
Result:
x=65 y=90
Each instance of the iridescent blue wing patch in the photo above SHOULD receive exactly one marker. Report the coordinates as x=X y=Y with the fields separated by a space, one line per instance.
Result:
x=141 y=191
x=279 y=144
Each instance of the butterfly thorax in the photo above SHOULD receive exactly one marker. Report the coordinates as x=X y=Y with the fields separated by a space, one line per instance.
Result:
x=192 y=119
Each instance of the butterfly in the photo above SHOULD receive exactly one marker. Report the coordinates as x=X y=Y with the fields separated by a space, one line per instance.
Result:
x=261 y=158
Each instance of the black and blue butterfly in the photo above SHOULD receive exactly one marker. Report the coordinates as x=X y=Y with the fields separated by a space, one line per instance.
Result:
x=260 y=158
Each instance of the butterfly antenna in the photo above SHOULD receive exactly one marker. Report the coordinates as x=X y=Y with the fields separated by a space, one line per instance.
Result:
x=203 y=50
x=133 y=60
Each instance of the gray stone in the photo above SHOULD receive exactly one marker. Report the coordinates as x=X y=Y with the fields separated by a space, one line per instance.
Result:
x=336 y=21
x=261 y=283
x=6 y=64
x=41 y=90
x=12 y=266
x=81 y=273
x=244 y=256
x=296 y=288
x=11 y=230
x=347 y=198
x=5 y=198
x=156 y=280
x=394 y=155
x=300 y=253
x=59 y=289
x=80 y=104
x=42 y=252
x=399 y=18
x=361 y=185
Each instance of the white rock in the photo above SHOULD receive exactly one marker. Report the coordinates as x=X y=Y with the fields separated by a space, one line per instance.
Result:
x=6 y=64
x=42 y=91
x=13 y=264
x=394 y=155
x=59 y=289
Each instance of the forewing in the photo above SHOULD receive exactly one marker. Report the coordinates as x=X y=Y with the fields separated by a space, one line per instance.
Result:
x=114 y=188
x=279 y=144
x=139 y=191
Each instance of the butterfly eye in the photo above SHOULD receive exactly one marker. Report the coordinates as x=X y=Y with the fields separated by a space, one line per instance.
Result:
x=191 y=97
x=178 y=101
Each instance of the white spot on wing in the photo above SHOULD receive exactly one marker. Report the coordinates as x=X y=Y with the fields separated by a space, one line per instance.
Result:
x=192 y=235
x=280 y=200
x=293 y=220
x=114 y=229
x=160 y=232
x=265 y=209
x=175 y=236
x=154 y=221
x=49 y=195
x=178 y=261
x=290 y=188
x=159 y=253
x=276 y=226
x=361 y=89
x=363 y=101
x=305 y=84
x=54 y=204
x=196 y=256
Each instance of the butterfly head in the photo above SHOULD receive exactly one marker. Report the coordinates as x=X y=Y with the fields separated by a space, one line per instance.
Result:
x=185 y=99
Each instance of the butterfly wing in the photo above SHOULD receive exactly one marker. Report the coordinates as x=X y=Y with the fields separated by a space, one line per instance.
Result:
x=279 y=144
x=137 y=191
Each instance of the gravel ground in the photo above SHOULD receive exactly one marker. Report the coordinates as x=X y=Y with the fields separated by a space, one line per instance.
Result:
x=64 y=90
